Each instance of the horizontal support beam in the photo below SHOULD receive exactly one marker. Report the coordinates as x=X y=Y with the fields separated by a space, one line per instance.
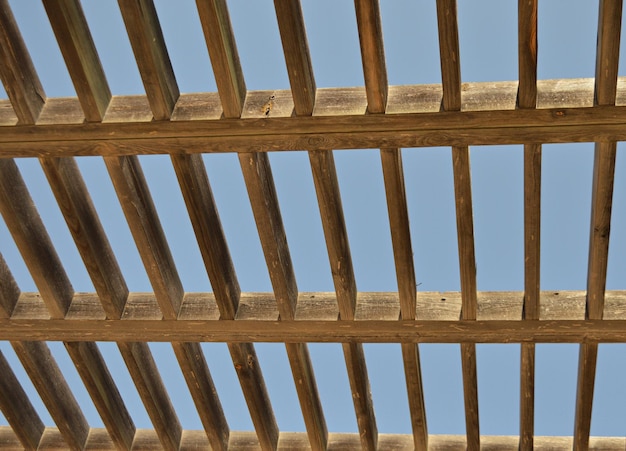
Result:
x=191 y=439
x=565 y=113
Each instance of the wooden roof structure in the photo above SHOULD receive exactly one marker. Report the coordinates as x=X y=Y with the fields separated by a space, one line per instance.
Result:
x=252 y=123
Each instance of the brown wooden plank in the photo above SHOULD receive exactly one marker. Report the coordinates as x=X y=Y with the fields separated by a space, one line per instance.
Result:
x=415 y=393
x=31 y=237
x=103 y=392
x=17 y=408
x=333 y=222
x=449 y=54
x=527 y=396
x=257 y=174
x=141 y=365
x=527 y=53
x=138 y=206
x=196 y=372
x=196 y=190
x=54 y=391
x=296 y=49
x=78 y=49
x=155 y=68
x=253 y=386
x=9 y=291
x=607 y=63
x=204 y=216
x=82 y=220
x=222 y=48
x=372 y=54
x=17 y=71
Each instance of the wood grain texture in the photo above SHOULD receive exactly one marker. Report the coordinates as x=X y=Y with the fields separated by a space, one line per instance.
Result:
x=155 y=68
x=449 y=54
x=254 y=390
x=54 y=391
x=203 y=392
x=222 y=47
x=82 y=220
x=198 y=196
x=134 y=196
x=415 y=393
x=297 y=57
x=17 y=408
x=32 y=239
x=19 y=78
x=400 y=231
x=333 y=222
x=103 y=392
x=78 y=49
x=527 y=397
x=607 y=52
x=372 y=54
x=9 y=291
x=257 y=174
x=361 y=395
x=527 y=53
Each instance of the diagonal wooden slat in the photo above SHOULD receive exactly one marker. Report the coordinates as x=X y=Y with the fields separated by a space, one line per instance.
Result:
x=372 y=54
x=9 y=290
x=17 y=71
x=155 y=68
x=451 y=81
x=297 y=57
x=17 y=408
x=527 y=98
x=607 y=64
x=78 y=49
x=220 y=42
x=331 y=212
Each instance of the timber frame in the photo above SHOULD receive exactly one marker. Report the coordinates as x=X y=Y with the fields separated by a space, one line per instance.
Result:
x=164 y=121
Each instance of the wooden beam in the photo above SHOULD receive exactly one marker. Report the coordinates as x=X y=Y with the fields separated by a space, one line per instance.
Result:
x=607 y=63
x=17 y=408
x=79 y=51
x=9 y=291
x=19 y=78
x=527 y=98
x=204 y=216
x=372 y=54
x=449 y=54
x=54 y=391
x=31 y=238
x=220 y=41
x=155 y=68
x=296 y=49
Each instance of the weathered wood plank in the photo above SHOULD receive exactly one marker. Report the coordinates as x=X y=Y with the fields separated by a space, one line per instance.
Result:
x=253 y=386
x=155 y=68
x=449 y=54
x=527 y=396
x=142 y=368
x=17 y=71
x=372 y=54
x=222 y=47
x=607 y=63
x=204 y=216
x=103 y=392
x=196 y=190
x=54 y=391
x=527 y=53
x=81 y=217
x=297 y=57
x=79 y=51
x=17 y=408
x=134 y=196
x=9 y=291
x=415 y=393
x=30 y=235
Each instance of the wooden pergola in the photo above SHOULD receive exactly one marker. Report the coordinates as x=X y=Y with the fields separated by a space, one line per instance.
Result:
x=251 y=124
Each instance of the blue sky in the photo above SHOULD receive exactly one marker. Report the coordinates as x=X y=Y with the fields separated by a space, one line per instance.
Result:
x=488 y=35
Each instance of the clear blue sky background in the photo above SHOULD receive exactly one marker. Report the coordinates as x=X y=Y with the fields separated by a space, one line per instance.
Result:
x=488 y=35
